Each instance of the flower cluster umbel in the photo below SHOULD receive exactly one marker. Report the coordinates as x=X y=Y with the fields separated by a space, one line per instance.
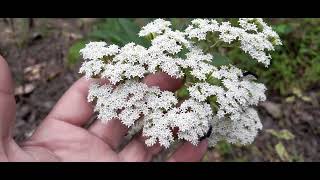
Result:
x=219 y=98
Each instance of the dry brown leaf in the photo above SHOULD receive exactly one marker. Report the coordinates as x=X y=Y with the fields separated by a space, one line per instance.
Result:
x=32 y=73
x=24 y=89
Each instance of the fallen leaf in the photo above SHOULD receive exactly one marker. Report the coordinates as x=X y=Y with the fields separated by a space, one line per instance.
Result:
x=32 y=73
x=52 y=73
x=24 y=89
x=290 y=99
x=282 y=152
x=282 y=134
x=273 y=109
x=300 y=95
x=297 y=92
x=306 y=98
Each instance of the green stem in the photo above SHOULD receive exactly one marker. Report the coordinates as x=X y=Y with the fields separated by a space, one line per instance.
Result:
x=212 y=46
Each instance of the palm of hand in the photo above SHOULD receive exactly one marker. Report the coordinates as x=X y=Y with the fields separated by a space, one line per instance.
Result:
x=61 y=137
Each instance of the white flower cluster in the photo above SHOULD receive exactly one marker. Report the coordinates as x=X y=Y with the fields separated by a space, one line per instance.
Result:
x=198 y=62
x=255 y=36
x=191 y=119
x=156 y=27
x=235 y=93
x=129 y=101
x=225 y=105
x=237 y=131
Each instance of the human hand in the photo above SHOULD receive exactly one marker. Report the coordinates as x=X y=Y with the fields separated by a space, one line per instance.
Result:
x=61 y=137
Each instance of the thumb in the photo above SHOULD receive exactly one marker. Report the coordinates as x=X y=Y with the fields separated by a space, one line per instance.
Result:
x=7 y=101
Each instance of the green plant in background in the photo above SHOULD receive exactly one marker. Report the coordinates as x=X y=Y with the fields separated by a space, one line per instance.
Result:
x=73 y=53
x=117 y=30
x=224 y=148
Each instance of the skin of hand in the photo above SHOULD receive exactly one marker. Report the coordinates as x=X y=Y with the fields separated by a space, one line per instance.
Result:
x=61 y=137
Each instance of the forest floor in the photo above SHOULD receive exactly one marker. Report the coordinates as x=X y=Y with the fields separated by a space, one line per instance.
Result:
x=38 y=55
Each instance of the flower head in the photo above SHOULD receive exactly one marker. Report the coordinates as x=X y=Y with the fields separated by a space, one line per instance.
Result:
x=216 y=97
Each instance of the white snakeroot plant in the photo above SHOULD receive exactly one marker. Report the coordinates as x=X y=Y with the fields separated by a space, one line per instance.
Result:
x=219 y=99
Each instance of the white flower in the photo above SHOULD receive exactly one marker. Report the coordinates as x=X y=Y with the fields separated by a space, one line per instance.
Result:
x=170 y=42
x=156 y=99
x=228 y=33
x=201 y=91
x=247 y=24
x=124 y=102
x=128 y=63
x=156 y=128
x=192 y=120
x=198 y=62
x=92 y=68
x=157 y=27
x=97 y=50
x=200 y=28
x=239 y=94
x=131 y=53
x=160 y=54
x=235 y=94
x=254 y=43
x=242 y=130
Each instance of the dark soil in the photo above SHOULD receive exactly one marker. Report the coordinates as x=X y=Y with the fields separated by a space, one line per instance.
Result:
x=37 y=57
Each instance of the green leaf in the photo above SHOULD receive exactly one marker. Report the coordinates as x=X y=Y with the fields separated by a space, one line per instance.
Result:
x=283 y=134
x=213 y=103
x=129 y=27
x=224 y=147
x=182 y=53
x=97 y=34
x=182 y=92
x=213 y=81
x=219 y=60
x=116 y=38
x=73 y=52
x=282 y=152
x=283 y=29
x=118 y=31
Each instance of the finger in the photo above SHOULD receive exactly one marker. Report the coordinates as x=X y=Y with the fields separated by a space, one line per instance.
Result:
x=137 y=151
x=114 y=132
x=111 y=132
x=73 y=107
x=163 y=81
x=7 y=101
x=189 y=153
